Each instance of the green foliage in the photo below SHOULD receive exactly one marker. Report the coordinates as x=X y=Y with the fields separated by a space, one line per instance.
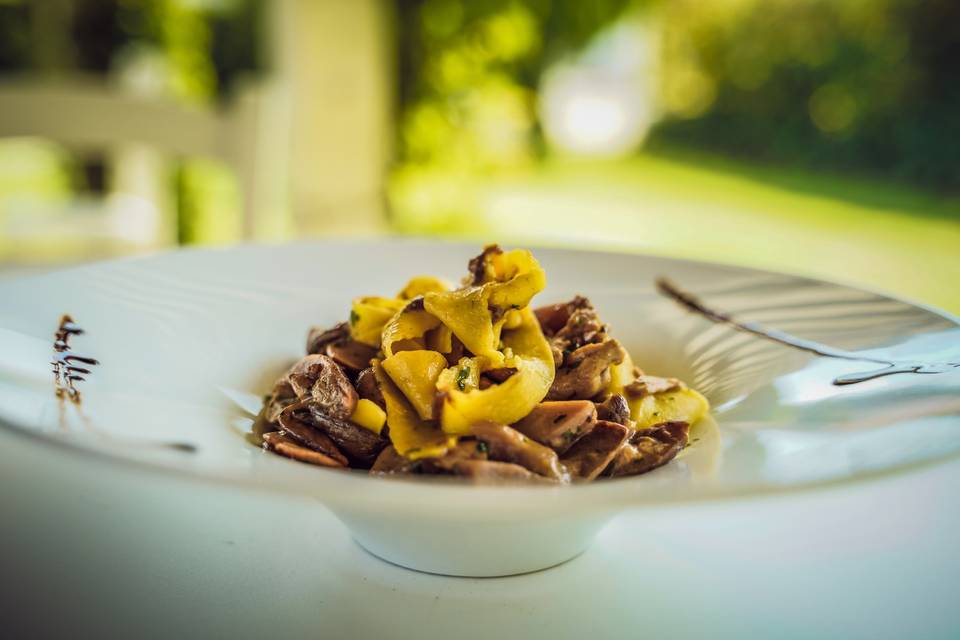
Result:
x=861 y=87
x=469 y=70
x=853 y=86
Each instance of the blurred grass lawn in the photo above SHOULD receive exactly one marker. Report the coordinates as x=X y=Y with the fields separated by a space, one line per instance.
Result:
x=862 y=232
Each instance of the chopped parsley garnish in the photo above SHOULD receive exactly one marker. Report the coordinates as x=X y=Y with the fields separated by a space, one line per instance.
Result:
x=354 y=317
x=462 y=376
x=482 y=447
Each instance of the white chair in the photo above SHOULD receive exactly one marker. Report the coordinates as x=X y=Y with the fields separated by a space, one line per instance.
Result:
x=139 y=133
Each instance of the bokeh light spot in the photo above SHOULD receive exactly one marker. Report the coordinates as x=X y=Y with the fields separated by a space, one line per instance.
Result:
x=833 y=109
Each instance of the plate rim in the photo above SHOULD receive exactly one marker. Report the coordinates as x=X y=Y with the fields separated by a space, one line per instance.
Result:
x=610 y=498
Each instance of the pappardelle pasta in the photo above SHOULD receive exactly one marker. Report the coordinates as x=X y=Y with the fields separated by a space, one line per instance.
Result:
x=473 y=381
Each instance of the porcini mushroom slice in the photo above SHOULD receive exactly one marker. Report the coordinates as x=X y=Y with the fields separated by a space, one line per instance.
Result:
x=645 y=385
x=650 y=448
x=506 y=444
x=592 y=453
x=287 y=447
x=368 y=388
x=350 y=354
x=492 y=471
x=307 y=436
x=318 y=338
x=279 y=399
x=360 y=445
x=554 y=317
x=463 y=450
x=320 y=380
x=558 y=424
x=583 y=373
x=614 y=409
x=389 y=461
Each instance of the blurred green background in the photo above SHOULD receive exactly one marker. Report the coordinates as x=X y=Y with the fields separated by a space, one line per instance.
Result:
x=812 y=136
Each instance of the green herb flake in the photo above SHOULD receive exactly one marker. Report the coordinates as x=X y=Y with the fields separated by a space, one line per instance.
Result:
x=462 y=376
x=354 y=317
x=482 y=447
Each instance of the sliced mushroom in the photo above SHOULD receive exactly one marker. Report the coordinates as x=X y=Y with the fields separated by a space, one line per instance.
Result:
x=650 y=448
x=645 y=385
x=351 y=355
x=554 y=317
x=389 y=461
x=500 y=374
x=318 y=337
x=558 y=424
x=457 y=351
x=305 y=372
x=491 y=377
x=463 y=450
x=585 y=371
x=287 y=447
x=321 y=380
x=368 y=388
x=360 y=445
x=592 y=453
x=509 y=445
x=583 y=327
x=493 y=471
x=614 y=409
x=306 y=435
x=279 y=399
x=478 y=265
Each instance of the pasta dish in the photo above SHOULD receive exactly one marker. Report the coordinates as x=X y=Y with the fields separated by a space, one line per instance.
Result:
x=474 y=381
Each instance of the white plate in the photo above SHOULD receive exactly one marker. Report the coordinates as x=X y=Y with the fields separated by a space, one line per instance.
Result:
x=188 y=343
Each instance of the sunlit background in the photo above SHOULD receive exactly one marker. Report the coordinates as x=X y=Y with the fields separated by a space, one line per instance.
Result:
x=812 y=136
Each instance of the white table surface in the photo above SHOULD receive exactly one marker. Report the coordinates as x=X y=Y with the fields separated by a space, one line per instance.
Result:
x=93 y=550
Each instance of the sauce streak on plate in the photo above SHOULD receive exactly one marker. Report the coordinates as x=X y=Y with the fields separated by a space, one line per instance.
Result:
x=67 y=369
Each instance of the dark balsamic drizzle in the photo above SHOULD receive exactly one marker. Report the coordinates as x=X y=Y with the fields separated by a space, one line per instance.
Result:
x=889 y=367
x=67 y=371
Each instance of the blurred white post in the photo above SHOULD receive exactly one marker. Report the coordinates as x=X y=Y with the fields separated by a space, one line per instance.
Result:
x=335 y=58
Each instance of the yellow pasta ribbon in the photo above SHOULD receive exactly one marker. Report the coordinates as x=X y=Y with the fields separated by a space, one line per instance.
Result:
x=510 y=400
x=369 y=314
x=512 y=279
x=411 y=436
x=421 y=285
x=621 y=374
x=407 y=328
x=684 y=405
x=415 y=373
